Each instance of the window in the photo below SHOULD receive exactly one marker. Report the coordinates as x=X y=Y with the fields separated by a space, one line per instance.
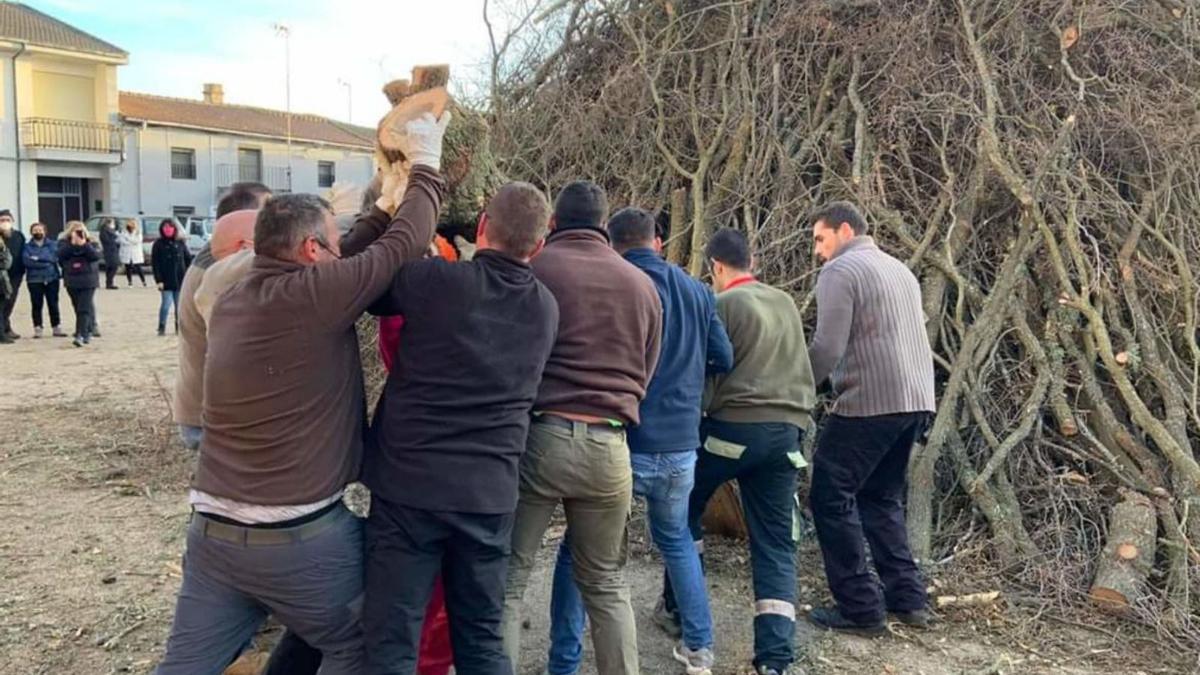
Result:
x=249 y=164
x=183 y=163
x=325 y=174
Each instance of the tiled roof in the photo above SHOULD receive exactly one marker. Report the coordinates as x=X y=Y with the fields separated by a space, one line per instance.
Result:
x=25 y=24
x=242 y=119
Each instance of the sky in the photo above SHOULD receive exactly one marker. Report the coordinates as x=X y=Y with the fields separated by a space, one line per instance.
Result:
x=175 y=47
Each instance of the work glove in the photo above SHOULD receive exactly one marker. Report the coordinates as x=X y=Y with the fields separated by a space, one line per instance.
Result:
x=423 y=139
x=392 y=186
x=466 y=250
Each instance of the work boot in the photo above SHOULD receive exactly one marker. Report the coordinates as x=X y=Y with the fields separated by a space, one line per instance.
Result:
x=830 y=618
x=667 y=620
x=696 y=661
x=57 y=331
x=37 y=332
x=917 y=618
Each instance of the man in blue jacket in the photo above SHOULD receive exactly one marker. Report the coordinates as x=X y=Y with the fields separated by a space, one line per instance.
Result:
x=41 y=275
x=694 y=343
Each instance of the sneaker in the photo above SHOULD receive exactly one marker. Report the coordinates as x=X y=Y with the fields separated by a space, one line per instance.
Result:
x=57 y=331
x=11 y=335
x=87 y=339
x=161 y=331
x=5 y=340
x=96 y=332
x=919 y=618
x=37 y=332
x=667 y=620
x=78 y=342
x=830 y=618
x=696 y=661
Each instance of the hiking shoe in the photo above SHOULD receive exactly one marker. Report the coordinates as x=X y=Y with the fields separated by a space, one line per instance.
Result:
x=696 y=661
x=58 y=332
x=37 y=332
x=667 y=620
x=830 y=618
x=917 y=618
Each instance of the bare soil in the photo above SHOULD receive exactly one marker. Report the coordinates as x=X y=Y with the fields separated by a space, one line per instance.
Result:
x=93 y=511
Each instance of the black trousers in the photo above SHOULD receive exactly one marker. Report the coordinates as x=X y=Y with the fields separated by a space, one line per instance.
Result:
x=134 y=268
x=293 y=656
x=406 y=549
x=42 y=293
x=110 y=273
x=8 y=304
x=84 y=302
x=858 y=489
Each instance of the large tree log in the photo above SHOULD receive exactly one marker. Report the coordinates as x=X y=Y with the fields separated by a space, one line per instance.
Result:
x=1128 y=555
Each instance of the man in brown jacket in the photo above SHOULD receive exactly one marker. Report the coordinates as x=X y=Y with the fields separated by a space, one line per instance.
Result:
x=283 y=422
x=609 y=330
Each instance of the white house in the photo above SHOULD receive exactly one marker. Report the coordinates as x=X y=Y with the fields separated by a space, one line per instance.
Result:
x=72 y=145
x=181 y=154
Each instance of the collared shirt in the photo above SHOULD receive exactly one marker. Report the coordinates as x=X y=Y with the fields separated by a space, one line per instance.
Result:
x=283 y=390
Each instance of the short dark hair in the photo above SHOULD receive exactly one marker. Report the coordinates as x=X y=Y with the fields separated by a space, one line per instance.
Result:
x=5 y=212
x=242 y=196
x=729 y=247
x=834 y=214
x=631 y=227
x=581 y=204
x=518 y=217
x=286 y=221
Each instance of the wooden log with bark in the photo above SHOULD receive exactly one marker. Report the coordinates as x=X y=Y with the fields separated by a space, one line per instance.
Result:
x=1128 y=554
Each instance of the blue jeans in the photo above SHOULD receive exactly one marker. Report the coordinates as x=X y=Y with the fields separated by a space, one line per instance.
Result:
x=164 y=308
x=665 y=481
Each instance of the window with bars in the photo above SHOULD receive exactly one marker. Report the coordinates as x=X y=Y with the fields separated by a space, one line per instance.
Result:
x=183 y=163
x=250 y=164
x=325 y=174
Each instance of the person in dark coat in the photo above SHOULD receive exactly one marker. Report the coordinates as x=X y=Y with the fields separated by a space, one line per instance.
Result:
x=169 y=259
x=80 y=262
x=5 y=285
x=111 y=246
x=14 y=240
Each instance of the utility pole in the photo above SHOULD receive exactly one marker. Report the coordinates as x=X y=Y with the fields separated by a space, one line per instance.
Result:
x=286 y=33
x=349 y=100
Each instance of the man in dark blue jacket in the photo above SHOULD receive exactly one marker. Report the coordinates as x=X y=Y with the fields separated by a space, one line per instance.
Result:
x=694 y=343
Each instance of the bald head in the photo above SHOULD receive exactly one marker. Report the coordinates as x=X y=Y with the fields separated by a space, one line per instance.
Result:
x=233 y=232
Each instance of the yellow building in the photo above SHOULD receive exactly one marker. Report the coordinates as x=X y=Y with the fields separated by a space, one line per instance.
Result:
x=60 y=130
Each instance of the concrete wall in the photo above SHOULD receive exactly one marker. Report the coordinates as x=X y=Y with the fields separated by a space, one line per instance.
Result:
x=143 y=183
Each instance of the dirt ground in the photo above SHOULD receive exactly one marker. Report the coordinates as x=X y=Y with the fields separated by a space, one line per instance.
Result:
x=92 y=502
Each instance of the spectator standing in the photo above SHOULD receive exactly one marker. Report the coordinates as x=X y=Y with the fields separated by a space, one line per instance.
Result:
x=42 y=277
x=110 y=246
x=80 y=262
x=129 y=239
x=5 y=284
x=872 y=345
x=14 y=240
x=169 y=258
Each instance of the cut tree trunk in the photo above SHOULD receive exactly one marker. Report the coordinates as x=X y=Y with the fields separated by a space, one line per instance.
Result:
x=1128 y=554
x=724 y=514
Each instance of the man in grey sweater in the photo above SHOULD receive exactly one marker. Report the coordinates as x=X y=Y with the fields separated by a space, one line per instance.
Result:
x=871 y=344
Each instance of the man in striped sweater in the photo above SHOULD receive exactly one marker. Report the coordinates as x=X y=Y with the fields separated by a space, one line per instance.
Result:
x=871 y=344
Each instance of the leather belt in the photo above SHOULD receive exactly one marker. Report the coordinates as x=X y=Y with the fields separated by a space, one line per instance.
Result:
x=258 y=536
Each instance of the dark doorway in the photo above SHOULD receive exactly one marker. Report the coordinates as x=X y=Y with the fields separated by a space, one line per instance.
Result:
x=61 y=200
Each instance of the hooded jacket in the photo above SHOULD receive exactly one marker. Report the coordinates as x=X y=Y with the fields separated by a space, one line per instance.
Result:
x=169 y=259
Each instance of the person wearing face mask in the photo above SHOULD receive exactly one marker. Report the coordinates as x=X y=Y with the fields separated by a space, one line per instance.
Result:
x=169 y=259
x=14 y=241
x=80 y=262
x=129 y=239
x=42 y=276
x=110 y=246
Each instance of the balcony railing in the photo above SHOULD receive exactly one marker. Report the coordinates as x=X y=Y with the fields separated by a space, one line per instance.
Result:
x=274 y=177
x=44 y=132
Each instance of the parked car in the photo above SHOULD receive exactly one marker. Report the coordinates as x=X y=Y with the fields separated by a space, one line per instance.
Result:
x=149 y=225
x=199 y=231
